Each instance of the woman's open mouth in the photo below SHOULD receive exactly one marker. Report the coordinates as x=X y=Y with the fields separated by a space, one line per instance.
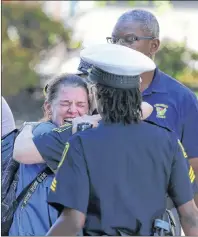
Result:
x=68 y=119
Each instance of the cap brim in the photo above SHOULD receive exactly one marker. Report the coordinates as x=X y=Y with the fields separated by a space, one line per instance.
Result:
x=147 y=110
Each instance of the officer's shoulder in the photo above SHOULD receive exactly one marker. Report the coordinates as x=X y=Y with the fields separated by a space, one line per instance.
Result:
x=62 y=128
x=157 y=132
x=174 y=85
x=86 y=134
x=159 y=126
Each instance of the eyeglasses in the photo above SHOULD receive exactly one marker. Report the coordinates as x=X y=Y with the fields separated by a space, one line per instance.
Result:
x=128 y=39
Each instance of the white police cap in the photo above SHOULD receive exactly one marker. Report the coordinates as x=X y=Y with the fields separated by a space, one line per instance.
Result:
x=75 y=66
x=83 y=67
x=116 y=65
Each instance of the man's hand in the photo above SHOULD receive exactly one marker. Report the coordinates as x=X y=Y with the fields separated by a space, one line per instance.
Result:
x=92 y=119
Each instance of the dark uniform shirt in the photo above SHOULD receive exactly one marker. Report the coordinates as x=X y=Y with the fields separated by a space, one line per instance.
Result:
x=119 y=176
x=51 y=144
x=175 y=107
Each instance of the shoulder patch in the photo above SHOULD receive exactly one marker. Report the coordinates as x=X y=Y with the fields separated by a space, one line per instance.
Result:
x=182 y=148
x=64 y=154
x=148 y=121
x=191 y=174
x=63 y=127
x=53 y=185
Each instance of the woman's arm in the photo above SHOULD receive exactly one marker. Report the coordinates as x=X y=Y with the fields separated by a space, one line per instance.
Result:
x=25 y=150
x=29 y=149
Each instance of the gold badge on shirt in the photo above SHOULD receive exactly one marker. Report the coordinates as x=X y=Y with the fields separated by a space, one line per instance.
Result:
x=161 y=110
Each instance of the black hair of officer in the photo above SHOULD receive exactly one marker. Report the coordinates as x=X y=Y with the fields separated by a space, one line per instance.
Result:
x=119 y=105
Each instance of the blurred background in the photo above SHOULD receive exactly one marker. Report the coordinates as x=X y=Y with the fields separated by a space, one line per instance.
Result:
x=42 y=39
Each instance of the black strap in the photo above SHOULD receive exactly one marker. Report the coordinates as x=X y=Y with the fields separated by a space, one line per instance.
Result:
x=28 y=191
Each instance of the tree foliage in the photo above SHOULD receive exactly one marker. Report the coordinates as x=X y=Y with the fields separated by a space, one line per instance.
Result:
x=177 y=60
x=26 y=31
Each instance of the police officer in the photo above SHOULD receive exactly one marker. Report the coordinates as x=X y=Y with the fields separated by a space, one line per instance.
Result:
x=101 y=178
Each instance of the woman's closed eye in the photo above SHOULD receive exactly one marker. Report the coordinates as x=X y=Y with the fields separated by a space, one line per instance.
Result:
x=81 y=104
x=64 y=104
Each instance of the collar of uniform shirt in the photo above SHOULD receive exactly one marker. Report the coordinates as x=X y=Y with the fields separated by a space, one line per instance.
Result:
x=157 y=85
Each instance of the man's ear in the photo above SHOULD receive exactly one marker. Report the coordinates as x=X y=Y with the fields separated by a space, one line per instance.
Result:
x=155 y=44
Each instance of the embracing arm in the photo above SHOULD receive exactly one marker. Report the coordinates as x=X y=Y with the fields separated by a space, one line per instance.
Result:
x=194 y=164
x=190 y=133
x=188 y=213
x=70 y=191
x=47 y=146
x=69 y=223
x=181 y=190
x=25 y=150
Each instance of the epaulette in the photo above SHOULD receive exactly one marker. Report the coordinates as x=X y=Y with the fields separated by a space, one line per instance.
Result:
x=63 y=127
x=151 y=122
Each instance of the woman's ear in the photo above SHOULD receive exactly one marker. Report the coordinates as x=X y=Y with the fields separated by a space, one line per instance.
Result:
x=47 y=110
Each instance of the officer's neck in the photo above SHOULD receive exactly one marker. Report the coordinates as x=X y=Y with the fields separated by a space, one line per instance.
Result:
x=147 y=78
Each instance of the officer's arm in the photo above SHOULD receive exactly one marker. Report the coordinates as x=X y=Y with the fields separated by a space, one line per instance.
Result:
x=29 y=149
x=190 y=131
x=189 y=218
x=180 y=190
x=70 y=222
x=47 y=147
x=70 y=190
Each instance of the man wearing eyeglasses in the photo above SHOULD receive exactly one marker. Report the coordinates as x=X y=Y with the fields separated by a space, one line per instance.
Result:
x=175 y=106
